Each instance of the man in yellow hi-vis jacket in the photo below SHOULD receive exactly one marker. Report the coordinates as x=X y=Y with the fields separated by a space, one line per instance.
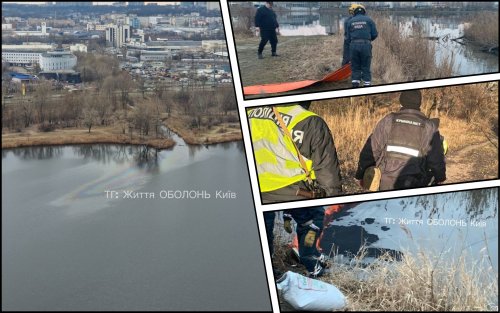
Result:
x=280 y=168
x=289 y=161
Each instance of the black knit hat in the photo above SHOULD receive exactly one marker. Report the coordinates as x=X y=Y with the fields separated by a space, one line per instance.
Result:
x=411 y=99
x=305 y=104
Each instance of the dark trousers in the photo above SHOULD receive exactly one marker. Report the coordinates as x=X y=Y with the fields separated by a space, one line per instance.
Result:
x=361 y=59
x=268 y=35
x=346 y=55
x=308 y=255
x=269 y=221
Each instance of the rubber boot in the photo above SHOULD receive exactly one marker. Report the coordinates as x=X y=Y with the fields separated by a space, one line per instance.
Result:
x=260 y=56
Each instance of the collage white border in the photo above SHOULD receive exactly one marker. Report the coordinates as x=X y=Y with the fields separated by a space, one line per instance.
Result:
x=260 y=208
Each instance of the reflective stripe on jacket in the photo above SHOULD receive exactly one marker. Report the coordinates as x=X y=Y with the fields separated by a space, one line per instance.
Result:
x=277 y=159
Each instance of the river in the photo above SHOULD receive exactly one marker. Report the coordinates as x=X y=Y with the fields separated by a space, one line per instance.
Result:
x=468 y=59
x=69 y=245
x=446 y=226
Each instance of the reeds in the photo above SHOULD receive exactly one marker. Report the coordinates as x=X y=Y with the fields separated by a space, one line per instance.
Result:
x=482 y=28
x=421 y=281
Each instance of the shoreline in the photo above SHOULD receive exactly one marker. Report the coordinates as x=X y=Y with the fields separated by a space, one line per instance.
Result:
x=106 y=135
x=176 y=124
x=79 y=136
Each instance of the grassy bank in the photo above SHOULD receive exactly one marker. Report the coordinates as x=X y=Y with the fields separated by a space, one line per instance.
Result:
x=223 y=132
x=70 y=136
x=419 y=282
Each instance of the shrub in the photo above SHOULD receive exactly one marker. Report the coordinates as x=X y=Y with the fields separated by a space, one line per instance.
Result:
x=46 y=127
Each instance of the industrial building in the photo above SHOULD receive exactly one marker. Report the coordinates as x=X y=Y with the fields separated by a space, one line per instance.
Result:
x=41 y=33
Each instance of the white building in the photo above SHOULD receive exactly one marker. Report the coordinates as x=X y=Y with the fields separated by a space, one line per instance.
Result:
x=79 y=47
x=57 y=60
x=6 y=26
x=27 y=54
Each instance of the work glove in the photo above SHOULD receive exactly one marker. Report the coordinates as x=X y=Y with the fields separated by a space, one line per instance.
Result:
x=287 y=223
x=311 y=234
x=310 y=238
x=361 y=183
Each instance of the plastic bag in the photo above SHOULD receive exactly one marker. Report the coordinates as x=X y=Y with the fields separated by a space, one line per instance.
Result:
x=304 y=293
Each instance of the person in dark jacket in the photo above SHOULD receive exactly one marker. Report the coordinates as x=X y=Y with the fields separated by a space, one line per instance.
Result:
x=267 y=24
x=406 y=146
x=280 y=172
x=360 y=32
x=346 y=55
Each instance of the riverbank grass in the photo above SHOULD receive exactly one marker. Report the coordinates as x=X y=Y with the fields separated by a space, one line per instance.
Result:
x=223 y=132
x=419 y=282
x=70 y=136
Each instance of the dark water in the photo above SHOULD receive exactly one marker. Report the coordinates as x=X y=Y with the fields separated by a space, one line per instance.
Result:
x=452 y=225
x=468 y=60
x=65 y=246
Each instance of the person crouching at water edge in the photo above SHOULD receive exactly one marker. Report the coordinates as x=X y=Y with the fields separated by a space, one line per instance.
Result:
x=294 y=152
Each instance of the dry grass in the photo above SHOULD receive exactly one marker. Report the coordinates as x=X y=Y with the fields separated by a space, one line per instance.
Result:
x=468 y=115
x=301 y=58
x=419 y=282
x=398 y=57
x=108 y=135
x=483 y=29
x=224 y=132
x=351 y=121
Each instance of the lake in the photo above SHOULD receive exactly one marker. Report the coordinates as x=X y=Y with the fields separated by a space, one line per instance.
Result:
x=468 y=60
x=70 y=243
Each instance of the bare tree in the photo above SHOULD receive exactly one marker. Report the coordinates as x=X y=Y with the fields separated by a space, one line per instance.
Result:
x=108 y=89
x=28 y=110
x=143 y=118
x=124 y=84
x=41 y=97
x=90 y=115
x=226 y=100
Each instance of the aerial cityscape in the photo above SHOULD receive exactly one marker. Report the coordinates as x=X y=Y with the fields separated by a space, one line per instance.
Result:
x=127 y=55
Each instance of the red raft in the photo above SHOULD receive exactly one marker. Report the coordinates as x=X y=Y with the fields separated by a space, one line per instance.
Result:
x=339 y=75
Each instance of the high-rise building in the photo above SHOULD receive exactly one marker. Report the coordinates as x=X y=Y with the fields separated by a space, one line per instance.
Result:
x=118 y=35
